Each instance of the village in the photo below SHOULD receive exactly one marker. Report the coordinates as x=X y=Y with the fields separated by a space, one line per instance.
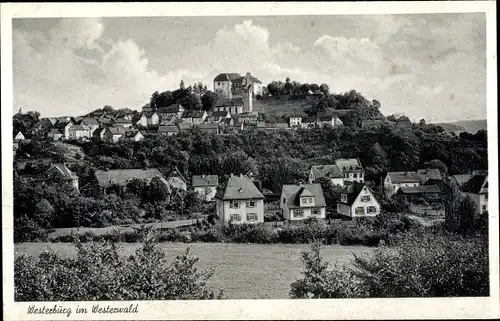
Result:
x=242 y=199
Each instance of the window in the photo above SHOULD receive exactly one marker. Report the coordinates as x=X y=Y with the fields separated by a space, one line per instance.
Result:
x=343 y=198
x=235 y=217
x=284 y=200
x=218 y=83
x=486 y=197
x=484 y=208
x=315 y=211
x=371 y=210
x=234 y=204
x=298 y=213
x=252 y=217
x=305 y=200
x=365 y=198
x=359 y=210
x=250 y=203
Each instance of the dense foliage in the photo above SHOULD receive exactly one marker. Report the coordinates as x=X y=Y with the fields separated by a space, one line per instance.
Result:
x=100 y=272
x=425 y=264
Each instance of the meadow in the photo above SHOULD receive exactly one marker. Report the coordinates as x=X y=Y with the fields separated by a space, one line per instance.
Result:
x=244 y=271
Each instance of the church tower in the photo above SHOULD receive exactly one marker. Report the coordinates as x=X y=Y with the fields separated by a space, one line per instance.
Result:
x=249 y=102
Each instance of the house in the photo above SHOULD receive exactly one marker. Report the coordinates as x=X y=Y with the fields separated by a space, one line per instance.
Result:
x=168 y=130
x=374 y=123
x=47 y=123
x=427 y=192
x=65 y=174
x=328 y=121
x=477 y=189
x=140 y=119
x=403 y=122
x=302 y=201
x=55 y=134
x=194 y=116
x=19 y=136
x=240 y=201
x=395 y=180
x=106 y=120
x=271 y=127
x=460 y=179
x=223 y=84
x=248 y=118
x=152 y=118
x=168 y=121
x=148 y=108
x=91 y=122
x=121 y=177
x=295 y=121
x=133 y=136
x=429 y=176
x=126 y=123
x=209 y=128
x=176 y=179
x=308 y=123
x=232 y=105
x=205 y=186
x=169 y=111
x=229 y=84
x=344 y=170
x=358 y=200
x=185 y=126
x=78 y=132
x=219 y=116
x=116 y=133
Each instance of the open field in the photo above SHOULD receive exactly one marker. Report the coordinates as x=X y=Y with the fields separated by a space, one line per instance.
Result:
x=281 y=107
x=245 y=271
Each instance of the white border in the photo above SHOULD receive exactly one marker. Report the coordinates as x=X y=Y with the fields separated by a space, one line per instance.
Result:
x=256 y=309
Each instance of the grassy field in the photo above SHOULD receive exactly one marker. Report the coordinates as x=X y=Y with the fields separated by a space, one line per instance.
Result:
x=244 y=271
x=281 y=107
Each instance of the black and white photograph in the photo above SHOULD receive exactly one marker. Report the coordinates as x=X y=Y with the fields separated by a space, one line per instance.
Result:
x=220 y=157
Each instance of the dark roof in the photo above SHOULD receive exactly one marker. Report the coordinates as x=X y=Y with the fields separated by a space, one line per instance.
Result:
x=106 y=120
x=226 y=102
x=255 y=79
x=208 y=126
x=168 y=129
x=477 y=184
x=193 y=114
x=429 y=174
x=123 y=176
x=350 y=164
x=403 y=177
x=353 y=189
x=422 y=189
x=122 y=121
x=90 y=121
x=174 y=108
x=222 y=113
x=239 y=187
x=149 y=114
x=330 y=171
x=185 y=126
x=293 y=193
x=118 y=130
x=461 y=178
x=55 y=131
x=205 y=180
x=80 y=127
x=403 y=119
x=227 y=77
x=175 y=172
x=98 y=131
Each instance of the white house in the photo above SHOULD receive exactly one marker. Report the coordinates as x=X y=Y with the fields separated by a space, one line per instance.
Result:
x=176 y=179
x=19 y=136
x=329 y=121
x=240 y=201
x=79 y=131
x=295 y=121
x=61 y=171
x=223 y=84
x=205 y=186
x=393 y=181
x=116 y=133
x=175 y=110
x=91 y=122
x=299 y=202
x=134 y=136
x=477 y=189
x=194 y=116
x=55 y=134
x=344 y=170
x=358 y=200
x=126 y=123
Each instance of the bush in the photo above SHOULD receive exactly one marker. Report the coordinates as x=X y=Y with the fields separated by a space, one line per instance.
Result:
x=98 y=272
x=429 y=263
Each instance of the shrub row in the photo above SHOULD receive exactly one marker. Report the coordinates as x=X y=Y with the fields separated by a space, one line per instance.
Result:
x=386 y=228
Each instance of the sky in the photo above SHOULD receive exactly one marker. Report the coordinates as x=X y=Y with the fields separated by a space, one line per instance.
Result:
x=430 y=66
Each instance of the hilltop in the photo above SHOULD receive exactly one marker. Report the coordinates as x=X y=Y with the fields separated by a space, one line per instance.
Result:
x=471 y=126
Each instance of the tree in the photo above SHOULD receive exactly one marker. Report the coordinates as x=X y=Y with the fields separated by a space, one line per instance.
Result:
x=436 y=163
x=191 y=102
x=324 y=89
x=273 y=88
x=376 y=104
x=108 y=110
x=209 y=100
x=181 y=85
x=153 y=102
x=158 y=191
x=314 y=88
x=422 y=122
x=331 y=192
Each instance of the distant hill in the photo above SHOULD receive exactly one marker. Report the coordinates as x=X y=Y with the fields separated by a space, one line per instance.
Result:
x=471 y=126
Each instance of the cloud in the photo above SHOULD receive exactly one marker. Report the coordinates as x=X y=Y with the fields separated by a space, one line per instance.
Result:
x=418 y=65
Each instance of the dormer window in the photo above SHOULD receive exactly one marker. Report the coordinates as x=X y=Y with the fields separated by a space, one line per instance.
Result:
x=343 y=198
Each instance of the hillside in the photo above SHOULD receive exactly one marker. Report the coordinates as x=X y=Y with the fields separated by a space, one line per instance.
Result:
x=471 y=126
x=281 y=107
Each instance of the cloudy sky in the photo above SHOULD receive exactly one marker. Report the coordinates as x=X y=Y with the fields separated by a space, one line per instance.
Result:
x=431 y=66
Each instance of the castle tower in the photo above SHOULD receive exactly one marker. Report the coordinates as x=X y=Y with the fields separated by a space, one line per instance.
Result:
x=248 y=92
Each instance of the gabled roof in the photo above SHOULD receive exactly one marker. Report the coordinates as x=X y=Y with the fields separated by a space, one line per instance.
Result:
x=193 y=114
x=477 y=184
x=175 y=172
x=123 y=176
x=205 y=180
x=149 y=114
x=117 y=130
x=80 y=127
x=222 y=113
x=122 y=121
x=227 y=77
x=351 y=164
x=98 y=132
x=429 y=174
x=293 y=193
x=403 y=177
x=63 y=170
x=185 y=126
x=353 y=190
x=422 y=189
x=239 y=188
x=254 y=79
x=106 y=120
x=55 y=131
x=208 y=126
x=461 y=178
x=91 y=121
